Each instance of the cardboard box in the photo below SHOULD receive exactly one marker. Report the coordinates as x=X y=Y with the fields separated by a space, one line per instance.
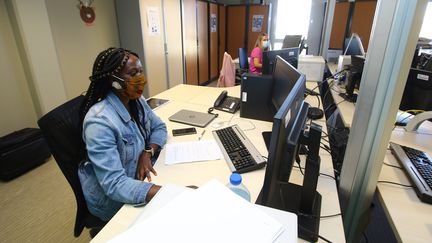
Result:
x=312 y=67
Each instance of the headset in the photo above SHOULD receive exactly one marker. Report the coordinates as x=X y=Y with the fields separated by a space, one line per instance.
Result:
x=118 y=85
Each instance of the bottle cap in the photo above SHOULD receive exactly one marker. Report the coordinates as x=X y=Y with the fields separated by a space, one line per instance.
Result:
x=235 y=179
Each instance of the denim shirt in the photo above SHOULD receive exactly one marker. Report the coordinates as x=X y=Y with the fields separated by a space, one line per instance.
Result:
x=114 y=144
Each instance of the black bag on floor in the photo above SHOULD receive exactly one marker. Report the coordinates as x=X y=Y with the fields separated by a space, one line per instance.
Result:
x=22 y=151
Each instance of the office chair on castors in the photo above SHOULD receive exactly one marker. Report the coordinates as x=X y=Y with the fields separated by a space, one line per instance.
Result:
x=61 y=130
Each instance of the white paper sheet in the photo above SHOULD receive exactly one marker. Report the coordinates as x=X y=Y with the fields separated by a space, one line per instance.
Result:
x=212 y=213
x=194 y=151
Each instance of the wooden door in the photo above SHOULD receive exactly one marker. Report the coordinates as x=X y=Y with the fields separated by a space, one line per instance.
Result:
x=222 y=35
x=258 y=11
x=362 y=20
x=190 y=41
x=203 y=42
x=340 y=19
x=213 y=28
x=236 y=28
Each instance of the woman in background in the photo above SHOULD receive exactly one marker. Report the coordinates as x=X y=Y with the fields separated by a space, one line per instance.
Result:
x=121 y=133
x=262 y=44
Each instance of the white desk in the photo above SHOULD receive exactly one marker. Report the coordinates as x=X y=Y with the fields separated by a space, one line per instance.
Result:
x=410 y=219
x=200 y=99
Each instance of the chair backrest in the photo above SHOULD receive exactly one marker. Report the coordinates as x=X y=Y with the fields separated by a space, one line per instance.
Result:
x=243 y=58
x=61 y=129
x=291 y=41
x=227 y=73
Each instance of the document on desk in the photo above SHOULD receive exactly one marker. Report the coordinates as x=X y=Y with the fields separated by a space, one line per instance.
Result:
x=211 y=213
x=193 y=151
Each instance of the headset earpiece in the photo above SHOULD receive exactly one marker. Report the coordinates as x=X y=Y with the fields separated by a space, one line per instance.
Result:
x=120 y=84
x=116 y=85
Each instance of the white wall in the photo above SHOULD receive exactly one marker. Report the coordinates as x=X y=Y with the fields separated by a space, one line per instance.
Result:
x=46 y=56
x=153 y=49
x=36 y=46
x=174 y=42
x=77 y=44
x=162 y=70
x=16 y=105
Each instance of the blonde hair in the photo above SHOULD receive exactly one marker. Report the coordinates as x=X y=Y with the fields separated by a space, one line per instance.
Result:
x=259 y=40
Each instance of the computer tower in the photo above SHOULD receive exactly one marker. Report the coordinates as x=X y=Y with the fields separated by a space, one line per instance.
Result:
x=256 y=95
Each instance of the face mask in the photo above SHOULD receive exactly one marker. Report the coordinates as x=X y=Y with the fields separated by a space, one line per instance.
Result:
x=135 y=86
x=265 y=44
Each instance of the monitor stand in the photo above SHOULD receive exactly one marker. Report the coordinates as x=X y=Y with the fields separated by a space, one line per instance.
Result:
x=291 y=201
x=303 y=200
x=308 y=222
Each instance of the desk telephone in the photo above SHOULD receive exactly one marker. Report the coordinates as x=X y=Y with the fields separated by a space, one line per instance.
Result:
x=227 y=103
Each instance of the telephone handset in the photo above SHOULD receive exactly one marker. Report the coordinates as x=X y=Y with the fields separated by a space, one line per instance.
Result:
x=226 y=103
x=220 y=98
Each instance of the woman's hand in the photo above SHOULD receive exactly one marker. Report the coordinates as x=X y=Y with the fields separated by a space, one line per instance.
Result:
x=145 y=168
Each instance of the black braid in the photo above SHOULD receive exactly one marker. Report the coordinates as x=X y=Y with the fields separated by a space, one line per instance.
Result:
x=107 y=63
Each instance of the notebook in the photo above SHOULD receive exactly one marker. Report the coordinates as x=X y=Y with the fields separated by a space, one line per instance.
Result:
x=194 y=118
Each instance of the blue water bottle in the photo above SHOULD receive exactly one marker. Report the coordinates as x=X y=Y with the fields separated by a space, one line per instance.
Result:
x=237 y=186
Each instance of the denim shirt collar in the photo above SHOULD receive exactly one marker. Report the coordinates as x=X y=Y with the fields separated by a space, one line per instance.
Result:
x=115 y=101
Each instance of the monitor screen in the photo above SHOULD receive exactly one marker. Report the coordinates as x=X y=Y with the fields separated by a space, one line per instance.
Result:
x=353 y=46
x=288 y=124
x=289 y=54
x=285 y=77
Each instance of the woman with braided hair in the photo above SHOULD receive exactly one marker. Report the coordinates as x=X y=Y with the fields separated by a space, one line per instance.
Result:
x=121 y=133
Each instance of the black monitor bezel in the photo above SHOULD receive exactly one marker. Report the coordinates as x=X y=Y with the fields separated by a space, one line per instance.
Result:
x=269 y=56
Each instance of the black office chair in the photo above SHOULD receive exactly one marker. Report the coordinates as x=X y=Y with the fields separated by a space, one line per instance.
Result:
x=243 y=64
x=303 y=46
x=243 y=59
x=61 y=130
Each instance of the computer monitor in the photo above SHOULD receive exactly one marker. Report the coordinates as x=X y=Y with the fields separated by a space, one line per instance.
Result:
x=288 y=54
x=353 y=46
x=286 y=138
x=418 y=91
x=285 y=76
x=288 y=123
x=291 y=41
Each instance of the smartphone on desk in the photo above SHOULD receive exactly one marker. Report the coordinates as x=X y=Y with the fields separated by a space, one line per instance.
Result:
x=184 y=131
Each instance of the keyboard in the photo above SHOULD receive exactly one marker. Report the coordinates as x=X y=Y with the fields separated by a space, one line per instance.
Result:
x=418 y=167
x=239 y=153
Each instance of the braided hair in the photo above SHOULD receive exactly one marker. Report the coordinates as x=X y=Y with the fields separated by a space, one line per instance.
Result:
x=109 y=62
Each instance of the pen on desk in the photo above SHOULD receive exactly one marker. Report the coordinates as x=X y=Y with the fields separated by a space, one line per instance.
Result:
x=199 y=138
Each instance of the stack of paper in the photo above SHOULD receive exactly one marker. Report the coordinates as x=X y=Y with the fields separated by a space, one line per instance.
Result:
x=211 y=213
x=194 y=151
